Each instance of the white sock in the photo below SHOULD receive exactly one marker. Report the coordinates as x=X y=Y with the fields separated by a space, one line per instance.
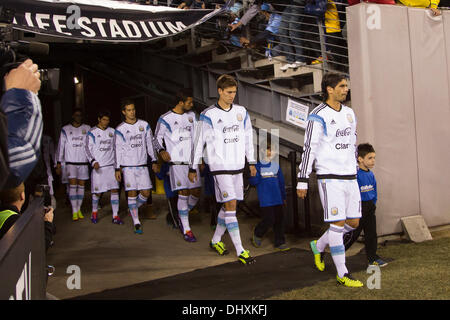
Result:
x=95 y=199
x=80 y=196
x=233 y=229
x=335 y=236
x=183 y=212
x=348 y=228
x=192 y=201
x=115 y=203
x=221 y=226
x=141 y=200
x=133 y=210
x=73 y=197
x=322 y=242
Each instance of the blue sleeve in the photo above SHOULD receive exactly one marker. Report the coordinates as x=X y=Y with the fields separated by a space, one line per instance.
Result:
x=24 y=116
x=281 y=184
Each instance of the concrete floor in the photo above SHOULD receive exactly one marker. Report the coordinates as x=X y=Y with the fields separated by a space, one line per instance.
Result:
x=111 y=256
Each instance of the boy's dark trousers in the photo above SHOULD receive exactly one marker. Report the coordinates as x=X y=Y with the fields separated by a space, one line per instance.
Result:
x=368 y=223
x=271 y=217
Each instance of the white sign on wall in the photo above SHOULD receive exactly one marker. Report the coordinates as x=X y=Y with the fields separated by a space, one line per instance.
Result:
x=297 y=113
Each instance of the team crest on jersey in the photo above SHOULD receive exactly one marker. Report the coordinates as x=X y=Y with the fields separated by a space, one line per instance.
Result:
x=111 y=135
x=239 y=117
x=141 y=128
x=225 y=195
x=83 y=131
x=191 y=119
x=349 y=118
x=96 y=188
x=128 y=185
x=334 y=211
x=179 y=184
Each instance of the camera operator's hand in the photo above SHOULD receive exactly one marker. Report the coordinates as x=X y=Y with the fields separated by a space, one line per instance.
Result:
x=26 y=76
x=49 y=216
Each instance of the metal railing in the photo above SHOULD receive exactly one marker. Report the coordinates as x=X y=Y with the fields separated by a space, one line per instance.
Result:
x=298 y=32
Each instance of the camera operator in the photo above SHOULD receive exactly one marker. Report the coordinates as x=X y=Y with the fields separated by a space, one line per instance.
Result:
x=12 y=200
x=22 y=108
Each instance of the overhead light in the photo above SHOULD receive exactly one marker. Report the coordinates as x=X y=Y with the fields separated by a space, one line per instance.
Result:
x=75 y=79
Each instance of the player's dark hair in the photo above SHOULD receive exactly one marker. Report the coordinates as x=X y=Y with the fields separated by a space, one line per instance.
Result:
x=330 y=79
x=226 y=81
x=77 y=110
x=125 y=103
x=183 y=94
x=364 y=149
x=104 y=113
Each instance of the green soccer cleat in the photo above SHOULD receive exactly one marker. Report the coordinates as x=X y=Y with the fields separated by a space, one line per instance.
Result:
x=219 y=247
x=318 y=256
x=348 y=281
x=245 y=258
x=80 y=215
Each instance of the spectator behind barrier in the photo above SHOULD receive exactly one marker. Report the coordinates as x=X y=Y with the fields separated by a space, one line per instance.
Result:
x=430 y=4
x=193 y=4
x=270 y=31
x=22 y=108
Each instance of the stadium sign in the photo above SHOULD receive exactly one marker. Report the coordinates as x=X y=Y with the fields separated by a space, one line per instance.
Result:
x=103 y=20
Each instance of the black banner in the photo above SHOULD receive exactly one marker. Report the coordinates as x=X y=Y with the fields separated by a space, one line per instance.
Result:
x=22 y=256
x=103 y=20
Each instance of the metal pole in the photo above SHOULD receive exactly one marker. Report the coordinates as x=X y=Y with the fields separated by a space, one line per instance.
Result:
x=322 y=44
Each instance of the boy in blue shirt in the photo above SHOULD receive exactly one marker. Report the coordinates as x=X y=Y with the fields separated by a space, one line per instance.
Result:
x=269 y=182
x=368 y=188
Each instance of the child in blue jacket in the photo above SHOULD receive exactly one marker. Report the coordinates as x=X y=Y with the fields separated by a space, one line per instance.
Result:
x=368 y=222
x=269 y=182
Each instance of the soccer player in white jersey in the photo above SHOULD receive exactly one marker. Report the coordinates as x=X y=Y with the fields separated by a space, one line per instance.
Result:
x=173 y=141
x=134 y=140
x=71 y=151
x=226 y=130
x=330 y=142
x=100 y=151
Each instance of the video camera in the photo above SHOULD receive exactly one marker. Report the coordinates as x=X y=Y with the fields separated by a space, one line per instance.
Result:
x=14 y=52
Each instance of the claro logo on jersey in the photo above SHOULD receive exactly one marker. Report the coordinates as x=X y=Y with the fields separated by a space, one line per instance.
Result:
x=105 y=145
x=342 y=146
x=231 y=140
x=136 y=137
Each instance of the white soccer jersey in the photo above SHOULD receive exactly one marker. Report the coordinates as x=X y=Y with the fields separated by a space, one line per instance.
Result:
x=228 y=137
x=176 y=132
x=100 y=146
x=330 y=142
x=133 y=143
x=71 y=144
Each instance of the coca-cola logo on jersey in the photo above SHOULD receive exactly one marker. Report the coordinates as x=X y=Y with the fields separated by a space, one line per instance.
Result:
x=232 y=128
x=343 y=133
x=135 y=137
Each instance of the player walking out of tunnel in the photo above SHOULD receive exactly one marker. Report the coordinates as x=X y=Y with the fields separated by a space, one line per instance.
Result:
x=133 y=141
x=226 y=130
x=173 y=141
x=71 y=151
x=330 y=142
x=100 y=151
